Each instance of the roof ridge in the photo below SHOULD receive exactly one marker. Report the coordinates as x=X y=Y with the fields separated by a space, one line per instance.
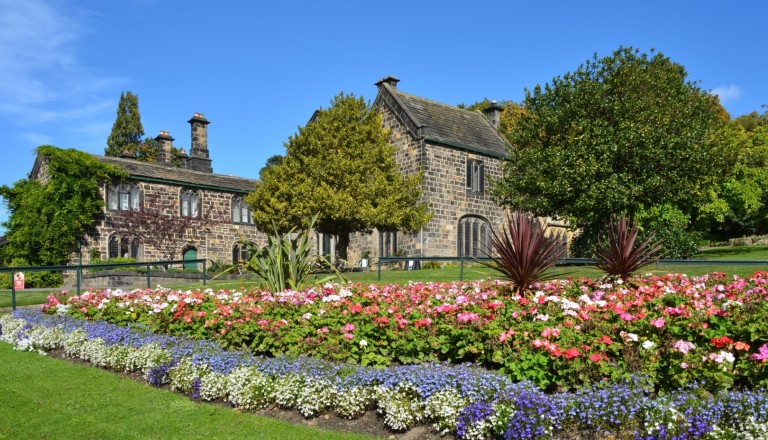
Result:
x=163 y=167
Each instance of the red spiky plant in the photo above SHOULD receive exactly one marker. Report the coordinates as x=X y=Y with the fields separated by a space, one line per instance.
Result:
x=620 y=257
x=523 y=253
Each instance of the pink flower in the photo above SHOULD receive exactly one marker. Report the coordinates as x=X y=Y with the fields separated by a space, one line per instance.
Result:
x=761 y=355
x=596 y=357
x=684 y=346
x=467 y=317
x=537 y=343
x=658 y=322
x=684 y=365
x=349 y=327
x=550 y=332
x=506 y=335
x=349 y=336
x=322 y=331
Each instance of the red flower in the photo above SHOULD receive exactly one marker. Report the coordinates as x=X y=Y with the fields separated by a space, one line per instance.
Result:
x=597 y=357
x=571 y=353
x=721 y=341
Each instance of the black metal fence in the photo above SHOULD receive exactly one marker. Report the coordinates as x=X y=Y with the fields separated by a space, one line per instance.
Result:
x=412 y=263
x=159 y=268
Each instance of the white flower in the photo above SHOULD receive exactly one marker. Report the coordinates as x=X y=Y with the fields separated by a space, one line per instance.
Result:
x=648 y=345
x=363 y=343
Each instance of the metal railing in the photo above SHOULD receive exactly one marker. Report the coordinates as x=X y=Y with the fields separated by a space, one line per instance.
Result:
x=78 y=268
x=562 y=262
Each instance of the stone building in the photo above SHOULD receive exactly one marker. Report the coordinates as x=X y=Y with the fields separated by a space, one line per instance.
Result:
x=186 y=186
x=458 y=151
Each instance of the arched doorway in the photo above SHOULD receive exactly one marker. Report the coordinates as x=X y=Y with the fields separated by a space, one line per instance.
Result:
x=190 y=254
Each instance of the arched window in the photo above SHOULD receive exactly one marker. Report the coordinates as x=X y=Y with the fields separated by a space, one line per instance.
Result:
x=240 y=254
x=123 y=247
x=190 y=203
x=241 y=212
x=474 y=237
x=123 y=196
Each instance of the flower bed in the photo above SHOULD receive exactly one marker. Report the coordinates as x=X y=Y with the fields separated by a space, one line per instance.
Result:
x=472 y=402
x=675 y=330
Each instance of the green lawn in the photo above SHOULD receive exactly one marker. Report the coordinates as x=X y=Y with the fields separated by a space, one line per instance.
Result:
x=46 y=398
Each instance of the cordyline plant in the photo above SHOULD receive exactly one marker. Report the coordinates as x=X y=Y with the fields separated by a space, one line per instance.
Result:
x=523 y=253
x=287 y=261
x=620 y=257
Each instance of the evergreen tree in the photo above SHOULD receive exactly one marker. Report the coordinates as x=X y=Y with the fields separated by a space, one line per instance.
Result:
x=127 y=130
x=342 y=167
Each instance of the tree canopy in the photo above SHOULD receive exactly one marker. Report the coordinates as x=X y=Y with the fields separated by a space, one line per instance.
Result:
x=342 y=167
x=621 y=134
x=738 y=205
x=47 y=219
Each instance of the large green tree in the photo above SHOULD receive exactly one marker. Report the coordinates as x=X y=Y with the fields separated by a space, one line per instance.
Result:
x=738 y=205
x=127 y=130
x=342 y=167
x=47 y=218
x=621 y=134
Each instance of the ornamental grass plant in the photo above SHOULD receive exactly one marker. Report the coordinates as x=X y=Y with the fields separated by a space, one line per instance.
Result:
x=621 y=256
x=523 y=253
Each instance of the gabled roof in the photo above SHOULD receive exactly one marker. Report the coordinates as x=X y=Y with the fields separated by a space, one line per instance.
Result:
x=443 y=123
x=151 y=172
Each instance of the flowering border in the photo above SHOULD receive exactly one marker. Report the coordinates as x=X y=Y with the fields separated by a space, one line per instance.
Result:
x=471 y=402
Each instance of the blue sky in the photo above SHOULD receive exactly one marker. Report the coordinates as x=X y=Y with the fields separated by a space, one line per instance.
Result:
x=257 y=70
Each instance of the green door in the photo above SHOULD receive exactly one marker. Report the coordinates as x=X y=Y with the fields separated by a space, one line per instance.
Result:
x=190 y=254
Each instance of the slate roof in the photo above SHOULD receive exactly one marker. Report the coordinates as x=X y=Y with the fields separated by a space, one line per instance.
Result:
x=155 y=172
x=446 y=124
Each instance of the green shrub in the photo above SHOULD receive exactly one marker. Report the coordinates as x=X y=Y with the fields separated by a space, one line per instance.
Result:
x=119 y=260
x=32 y=279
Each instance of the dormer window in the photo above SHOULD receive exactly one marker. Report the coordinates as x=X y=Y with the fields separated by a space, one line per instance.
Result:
x=190 y=203
x=122 y=197
x=241 y=212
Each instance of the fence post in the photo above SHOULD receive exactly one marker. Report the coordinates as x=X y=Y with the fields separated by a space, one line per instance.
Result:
x=204 y=272
x=79 y=271
x=13 y=293
x=461 y=272
x=149 y=277
x=379 y=269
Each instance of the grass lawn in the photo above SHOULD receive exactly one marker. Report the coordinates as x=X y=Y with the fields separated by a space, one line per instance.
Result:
x=47 y=398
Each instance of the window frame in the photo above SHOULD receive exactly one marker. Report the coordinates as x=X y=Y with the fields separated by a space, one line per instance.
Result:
x=189 y=203
x=473 y=236
x=475 y=178
x=123 y=197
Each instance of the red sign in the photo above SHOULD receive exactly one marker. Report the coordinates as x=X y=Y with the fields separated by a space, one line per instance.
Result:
x=18 y=281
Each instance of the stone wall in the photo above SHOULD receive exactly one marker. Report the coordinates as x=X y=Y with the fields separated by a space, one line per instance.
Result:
x=215 y=242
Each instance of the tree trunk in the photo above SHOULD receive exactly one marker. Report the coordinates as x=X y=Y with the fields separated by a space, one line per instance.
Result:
x=342 y=245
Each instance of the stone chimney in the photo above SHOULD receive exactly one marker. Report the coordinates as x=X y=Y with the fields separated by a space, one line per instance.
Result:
x=183 y=156
x=199 y=160
x=493 y=113
x=164 y=152
x=390 y=80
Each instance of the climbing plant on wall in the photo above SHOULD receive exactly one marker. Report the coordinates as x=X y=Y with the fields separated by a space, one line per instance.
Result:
x=49 y=216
